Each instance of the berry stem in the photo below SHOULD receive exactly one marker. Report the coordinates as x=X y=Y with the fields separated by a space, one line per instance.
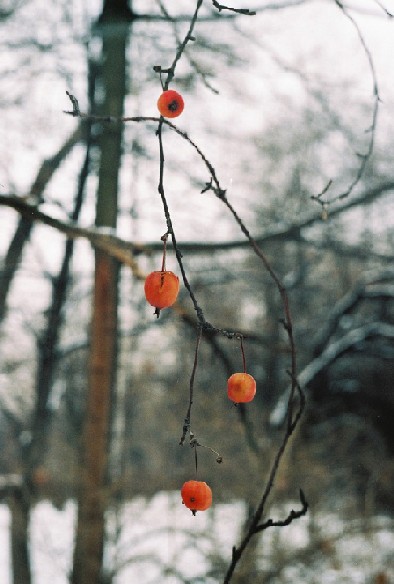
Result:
x=196 y=459
x=243 y=353
x=164 y=240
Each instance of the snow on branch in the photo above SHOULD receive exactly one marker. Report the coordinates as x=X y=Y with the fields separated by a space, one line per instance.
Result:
x=349 y=301
x=116 y=247
x=334 y=351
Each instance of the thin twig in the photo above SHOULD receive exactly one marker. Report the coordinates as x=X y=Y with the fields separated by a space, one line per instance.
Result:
x=374 y=118
x=186 y=425
x=245 y=11
x=389 y=14
x=170 y=72
x=178 y=254
x=254 y=525
x=203 y=76
x=289 y=519
x=287 y=321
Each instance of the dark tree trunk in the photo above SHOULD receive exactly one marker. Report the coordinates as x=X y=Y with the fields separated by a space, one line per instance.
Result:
x=19 y=507
x=92 y=501
x=21 y=498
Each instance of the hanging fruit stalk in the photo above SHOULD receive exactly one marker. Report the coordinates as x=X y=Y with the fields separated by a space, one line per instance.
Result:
x=241 y=387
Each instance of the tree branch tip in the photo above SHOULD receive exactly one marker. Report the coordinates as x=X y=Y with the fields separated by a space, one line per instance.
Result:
x=303 y=500
x=76 y=111
x=244 y=11
x=159 y=69
x=208 y=187
x=73 y=114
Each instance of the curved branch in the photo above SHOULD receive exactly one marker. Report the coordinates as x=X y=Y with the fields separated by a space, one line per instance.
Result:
x=289 y=519
x=255 y=526
x=123 y=251
x=374 y=118
x=330 y=354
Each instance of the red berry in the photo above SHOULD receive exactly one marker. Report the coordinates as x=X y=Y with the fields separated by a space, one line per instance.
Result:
x=161 y=289
x=170 y=104
x=196 y=495
x=241 y=387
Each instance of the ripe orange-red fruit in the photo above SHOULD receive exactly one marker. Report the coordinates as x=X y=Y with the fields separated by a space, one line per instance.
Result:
x=196 y=495
x=241 y=387
x=170 y=104
x=161 y=288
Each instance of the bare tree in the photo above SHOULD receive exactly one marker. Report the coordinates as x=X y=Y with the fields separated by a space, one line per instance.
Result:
x=114 y=28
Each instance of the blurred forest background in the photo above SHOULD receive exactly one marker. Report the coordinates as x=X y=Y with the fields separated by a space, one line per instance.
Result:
x=284 y=103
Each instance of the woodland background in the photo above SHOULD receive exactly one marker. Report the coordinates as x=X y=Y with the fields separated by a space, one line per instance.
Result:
x=293 y=107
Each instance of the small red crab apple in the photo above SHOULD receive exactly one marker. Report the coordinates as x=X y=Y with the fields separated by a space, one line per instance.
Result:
x=161 y=288
x=241 y=387
x=196 y=495
x=170 y=104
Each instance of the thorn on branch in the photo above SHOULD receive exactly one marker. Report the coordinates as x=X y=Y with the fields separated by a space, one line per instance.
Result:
x=76 y=113
x=303 y=500
x=159 y=69
x=208 y=187
x=220 y=193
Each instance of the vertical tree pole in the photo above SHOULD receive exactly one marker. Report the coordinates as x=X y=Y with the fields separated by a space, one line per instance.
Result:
x=90 y=535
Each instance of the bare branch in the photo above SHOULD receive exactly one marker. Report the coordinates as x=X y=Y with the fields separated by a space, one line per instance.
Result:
x=384 y=9
x=365 y=157
x=255 y=526
x=277 y=233
x=187 y=422
x=188 y=37
x=289 y=519
x=112 y=245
